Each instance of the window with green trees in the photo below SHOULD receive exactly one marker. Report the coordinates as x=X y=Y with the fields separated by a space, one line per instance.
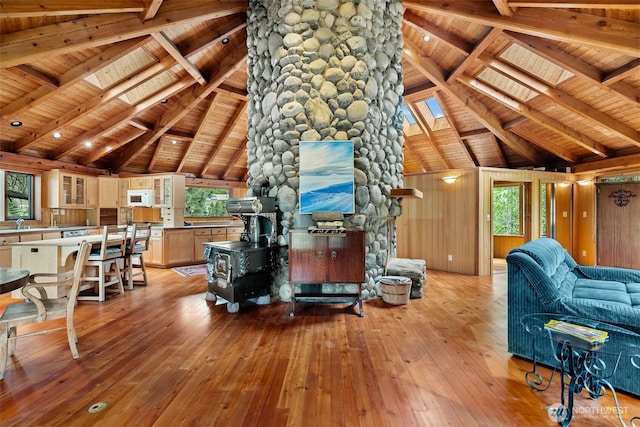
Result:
x=507 y=209
x=205 y=202
x=18 y=195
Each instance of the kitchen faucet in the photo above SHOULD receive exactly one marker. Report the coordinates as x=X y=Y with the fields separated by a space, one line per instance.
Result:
x=19 y=222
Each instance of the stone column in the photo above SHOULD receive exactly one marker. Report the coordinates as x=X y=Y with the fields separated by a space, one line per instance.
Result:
x=328 y=70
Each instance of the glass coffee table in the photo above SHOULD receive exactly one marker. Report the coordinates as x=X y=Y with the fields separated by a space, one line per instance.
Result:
x=581 y=348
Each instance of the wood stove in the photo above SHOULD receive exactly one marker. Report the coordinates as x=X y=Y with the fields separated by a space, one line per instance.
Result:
x=238 y=271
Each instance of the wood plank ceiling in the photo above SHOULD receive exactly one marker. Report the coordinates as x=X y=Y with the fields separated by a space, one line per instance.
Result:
x=149 y=86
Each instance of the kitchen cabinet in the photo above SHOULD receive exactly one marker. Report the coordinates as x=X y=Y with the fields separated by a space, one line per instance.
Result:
x=318 y=258
x=168 y=191
x=153 y=256
x=141 y=183
x=91 y=192
x=109 y=192
x=203 y=235
x=178 y=246
x=5 y=249
x=67 y=190
x=234 y=233
x=169 y=247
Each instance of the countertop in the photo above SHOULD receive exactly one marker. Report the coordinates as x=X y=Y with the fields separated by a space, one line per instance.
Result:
x=154 y=226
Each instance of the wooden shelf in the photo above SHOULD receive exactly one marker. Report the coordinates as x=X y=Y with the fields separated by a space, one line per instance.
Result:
x=407 y=193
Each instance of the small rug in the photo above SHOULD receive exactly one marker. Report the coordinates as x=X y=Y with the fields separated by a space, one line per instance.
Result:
x=191 y=270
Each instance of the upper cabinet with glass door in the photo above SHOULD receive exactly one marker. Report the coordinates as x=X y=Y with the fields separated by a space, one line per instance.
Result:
x=168 y=191
x=67 y=190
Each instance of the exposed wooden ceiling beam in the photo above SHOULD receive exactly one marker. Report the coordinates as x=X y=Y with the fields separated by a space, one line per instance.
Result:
x=622 y=162
x=472 y=160
x=409 y=149
x=503 y=7
x=541 y=119
x=123 y=139
x=593 y=4
x=21 y=47
x=459 y=45
x=187 y=102
x=35 y=76
x=71 y=77
x=94 y=104
x=564 y=100
x=172 y=50
x=12 y=161
x=567 y=26
x=151 y=8
x=22 y=9
x=627 y=70
x=478 y=50
x=483 y=114
x=570 y=63
x=206 y=118
x=420 y=121
x=237 y=155
x=123 y=116
x=231 y=124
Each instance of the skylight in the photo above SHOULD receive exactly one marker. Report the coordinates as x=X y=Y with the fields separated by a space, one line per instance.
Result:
x=408 y=115
x=434 y=107
x=535 y=65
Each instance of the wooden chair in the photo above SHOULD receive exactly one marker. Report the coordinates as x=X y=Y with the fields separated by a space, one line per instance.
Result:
x=102 y=271
x=133 y=260
x=38 y=308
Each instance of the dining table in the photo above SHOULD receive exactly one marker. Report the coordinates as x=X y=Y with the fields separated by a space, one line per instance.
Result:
x=12 y=279
x=50 y=256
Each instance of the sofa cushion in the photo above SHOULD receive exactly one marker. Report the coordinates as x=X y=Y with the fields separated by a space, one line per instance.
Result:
x=633 y=289
x=603 y=291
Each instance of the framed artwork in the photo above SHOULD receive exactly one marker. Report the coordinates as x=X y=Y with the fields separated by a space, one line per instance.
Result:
x=326 y=176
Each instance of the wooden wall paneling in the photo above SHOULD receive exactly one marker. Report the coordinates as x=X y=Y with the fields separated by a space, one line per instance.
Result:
x=564 y=216
x=618 y=226
x=584 y=236
x=451 y=219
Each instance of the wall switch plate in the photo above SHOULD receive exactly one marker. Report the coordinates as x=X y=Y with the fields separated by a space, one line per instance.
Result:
x=584 y=253
x=584 y=214
x=450 y=257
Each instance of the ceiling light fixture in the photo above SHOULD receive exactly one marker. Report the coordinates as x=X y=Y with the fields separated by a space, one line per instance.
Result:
x=88 y=144
x=449 y=179
x=426 y=38
x=174 y=142
x=15 y=123
x=225 y=40
x=57 y=135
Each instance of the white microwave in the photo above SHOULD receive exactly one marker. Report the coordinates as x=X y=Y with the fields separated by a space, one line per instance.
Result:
x=142 y=198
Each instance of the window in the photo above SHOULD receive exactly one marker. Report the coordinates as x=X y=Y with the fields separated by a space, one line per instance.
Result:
x=205 y=202
x=507 y=210
x=18 y=195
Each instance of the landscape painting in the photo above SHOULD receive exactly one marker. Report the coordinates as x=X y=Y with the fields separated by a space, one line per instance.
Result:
x=326 y=176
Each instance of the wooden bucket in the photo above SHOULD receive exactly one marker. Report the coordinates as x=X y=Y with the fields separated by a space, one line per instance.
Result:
x=396 y=290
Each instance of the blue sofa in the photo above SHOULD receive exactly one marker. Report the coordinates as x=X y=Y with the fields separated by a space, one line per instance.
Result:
x=544 y=278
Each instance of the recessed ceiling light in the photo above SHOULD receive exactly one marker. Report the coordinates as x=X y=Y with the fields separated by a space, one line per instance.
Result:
x=426 y=38
x=225 y=40
x=88 y=144
x=174 y=142
x=16 y=123
x=57 y=135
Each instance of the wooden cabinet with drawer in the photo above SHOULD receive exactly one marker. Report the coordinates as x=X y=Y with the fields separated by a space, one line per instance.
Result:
x=203 y=235
x=5 y=249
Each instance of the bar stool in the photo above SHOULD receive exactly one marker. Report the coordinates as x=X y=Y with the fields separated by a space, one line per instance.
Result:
x=102 y=272
x=133 y=259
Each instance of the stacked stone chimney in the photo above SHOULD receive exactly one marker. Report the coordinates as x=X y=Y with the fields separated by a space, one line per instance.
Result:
x=328 y=70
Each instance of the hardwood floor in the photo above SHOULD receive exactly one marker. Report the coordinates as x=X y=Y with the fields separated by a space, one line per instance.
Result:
x=161 y=355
